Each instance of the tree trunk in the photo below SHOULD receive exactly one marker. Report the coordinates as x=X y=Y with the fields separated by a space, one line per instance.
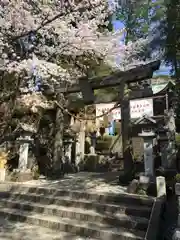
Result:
x=58 y=154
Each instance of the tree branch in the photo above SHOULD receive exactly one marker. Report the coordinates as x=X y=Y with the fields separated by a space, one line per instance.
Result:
x=43 y=24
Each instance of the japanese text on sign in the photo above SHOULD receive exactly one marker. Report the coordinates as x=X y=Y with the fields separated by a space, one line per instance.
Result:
x=138 y=108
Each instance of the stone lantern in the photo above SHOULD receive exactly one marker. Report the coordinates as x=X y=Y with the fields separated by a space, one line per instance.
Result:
x=68 y=141
x=147 y=127
x=24 y=140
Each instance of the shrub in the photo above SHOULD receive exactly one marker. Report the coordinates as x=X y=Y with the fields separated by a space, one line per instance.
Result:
x=94 y=163
x=177 y=177
x=178 y=139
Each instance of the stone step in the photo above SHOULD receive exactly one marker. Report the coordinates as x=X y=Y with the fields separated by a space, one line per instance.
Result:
x=58 y=236
x=124 y=208
x=22 y=231
x=80 y=228
x=101 y=198
x=10 y=230
x=117 y=219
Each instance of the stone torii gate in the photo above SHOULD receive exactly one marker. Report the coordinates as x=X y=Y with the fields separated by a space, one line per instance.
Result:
x=119 y=79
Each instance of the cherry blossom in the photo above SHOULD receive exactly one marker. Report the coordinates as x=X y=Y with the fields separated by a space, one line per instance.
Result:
x=56 y=32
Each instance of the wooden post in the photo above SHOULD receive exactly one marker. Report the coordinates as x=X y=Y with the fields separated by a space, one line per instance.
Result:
x=125 y=128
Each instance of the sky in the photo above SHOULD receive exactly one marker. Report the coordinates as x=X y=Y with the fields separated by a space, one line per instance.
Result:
x=163 y=69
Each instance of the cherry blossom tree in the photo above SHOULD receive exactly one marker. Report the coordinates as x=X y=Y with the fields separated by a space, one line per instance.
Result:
x=45 y=42
x=61 y=39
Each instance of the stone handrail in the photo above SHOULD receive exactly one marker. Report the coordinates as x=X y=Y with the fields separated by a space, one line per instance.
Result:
x=177 y=192
x=154 y=221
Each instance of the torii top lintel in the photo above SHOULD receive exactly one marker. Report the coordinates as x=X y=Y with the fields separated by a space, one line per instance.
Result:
x=136 y=74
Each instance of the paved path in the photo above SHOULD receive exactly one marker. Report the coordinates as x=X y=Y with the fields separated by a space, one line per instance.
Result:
x=84 y=181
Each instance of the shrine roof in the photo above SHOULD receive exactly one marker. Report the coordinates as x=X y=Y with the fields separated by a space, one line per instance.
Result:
x=145 y=120
x=162 y=87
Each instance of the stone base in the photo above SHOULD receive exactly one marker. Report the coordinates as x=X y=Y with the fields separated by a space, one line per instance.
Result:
x=24 y=176
x=144 y=182
x=133 y=186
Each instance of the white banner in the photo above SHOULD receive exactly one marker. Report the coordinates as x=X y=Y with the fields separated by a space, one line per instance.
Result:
x=138 y=108
x=104 y=108
x=141 y=107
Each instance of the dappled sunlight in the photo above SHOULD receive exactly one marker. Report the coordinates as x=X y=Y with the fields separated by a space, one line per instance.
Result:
x=91 y=182
x=23 y=231
x=82 y=204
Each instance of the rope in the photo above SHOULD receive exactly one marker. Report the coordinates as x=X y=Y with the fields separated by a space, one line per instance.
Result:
x=102 y=115
x=86 y=119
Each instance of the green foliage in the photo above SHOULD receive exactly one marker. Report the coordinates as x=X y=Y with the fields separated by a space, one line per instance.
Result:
x=139 y=16
x=135 y=18
x=177 y=178
x=163 y=16
x=104 y=143
x=173 y=36
x=111 y=92
x=178 y=139
x=93 y=163
x=106 y=137
x=141 y=191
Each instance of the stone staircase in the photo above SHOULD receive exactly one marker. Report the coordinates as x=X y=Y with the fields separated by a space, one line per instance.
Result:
x=77 y=214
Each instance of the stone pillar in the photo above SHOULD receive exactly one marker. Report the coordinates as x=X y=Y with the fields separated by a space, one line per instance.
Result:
x=23 y=153
x=80 y=144
x=176 y=235
x=148 y=157
x=92 y=150
x=68 y=150
x=148 y=153
x=93 y=143
x=161 y=186
x=23 y=173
